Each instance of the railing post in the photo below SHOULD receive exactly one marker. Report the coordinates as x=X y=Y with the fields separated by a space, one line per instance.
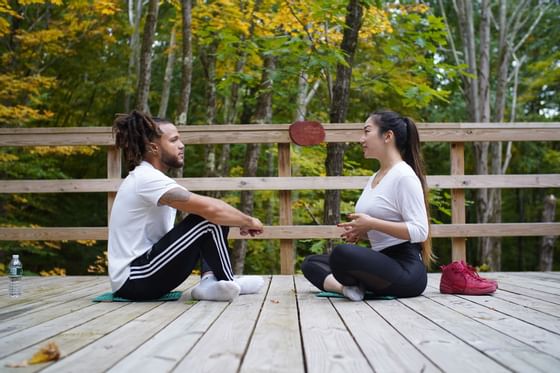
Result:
x=286 y=246
x=113 y=172
x=458 y=244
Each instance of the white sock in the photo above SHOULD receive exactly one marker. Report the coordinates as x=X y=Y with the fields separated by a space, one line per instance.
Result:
x=354 y=293
x=210 y=288
x=250 y=284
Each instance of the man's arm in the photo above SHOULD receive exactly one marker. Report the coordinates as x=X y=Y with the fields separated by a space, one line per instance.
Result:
x=212 y=209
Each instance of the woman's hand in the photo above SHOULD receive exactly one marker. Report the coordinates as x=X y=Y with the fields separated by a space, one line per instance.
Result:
x=356 y=228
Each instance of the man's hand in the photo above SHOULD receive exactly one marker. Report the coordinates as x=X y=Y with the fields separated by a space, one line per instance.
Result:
x=253 y=229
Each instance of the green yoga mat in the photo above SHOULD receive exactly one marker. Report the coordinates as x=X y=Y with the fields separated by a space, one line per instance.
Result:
x=109 y=297
x=368 y=296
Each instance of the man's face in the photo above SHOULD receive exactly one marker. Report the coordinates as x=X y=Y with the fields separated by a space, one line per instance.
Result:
x=172 y=149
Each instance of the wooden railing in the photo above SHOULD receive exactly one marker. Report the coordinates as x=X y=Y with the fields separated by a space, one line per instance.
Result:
x=454 y=133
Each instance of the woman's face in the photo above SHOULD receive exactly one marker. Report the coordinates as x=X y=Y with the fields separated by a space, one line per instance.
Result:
x=372 y=143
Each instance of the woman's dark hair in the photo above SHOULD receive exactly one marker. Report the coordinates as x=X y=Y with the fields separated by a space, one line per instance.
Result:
x=407 y=141
x=133 y=132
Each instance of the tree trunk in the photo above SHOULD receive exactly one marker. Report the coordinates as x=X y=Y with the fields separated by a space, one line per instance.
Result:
x=230 y=107
x=186 y=62
x=208 y=58
x=263 y=115
x=339 y=107
x=145 y=74
x=547 y=243
x=134 y=17
x=162 y=113
x=488 y=157
x=305 y=95
x=186 y=75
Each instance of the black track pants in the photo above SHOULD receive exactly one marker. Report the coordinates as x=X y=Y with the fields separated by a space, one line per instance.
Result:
x=397 y=270
x=171 y=260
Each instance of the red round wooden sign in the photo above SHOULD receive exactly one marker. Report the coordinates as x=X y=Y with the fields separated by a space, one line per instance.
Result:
x=307 y=133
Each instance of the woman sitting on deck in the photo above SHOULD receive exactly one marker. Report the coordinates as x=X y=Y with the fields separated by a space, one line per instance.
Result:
x=392 y=212
x=148 y=256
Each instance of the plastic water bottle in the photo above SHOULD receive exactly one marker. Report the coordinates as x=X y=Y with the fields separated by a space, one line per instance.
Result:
x=16 y=272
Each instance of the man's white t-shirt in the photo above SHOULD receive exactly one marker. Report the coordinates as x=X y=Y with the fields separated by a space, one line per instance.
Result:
x=137 y=220
x=398 y=198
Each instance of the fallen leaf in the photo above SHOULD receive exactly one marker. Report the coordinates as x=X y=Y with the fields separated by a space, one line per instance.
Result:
x=50 y=352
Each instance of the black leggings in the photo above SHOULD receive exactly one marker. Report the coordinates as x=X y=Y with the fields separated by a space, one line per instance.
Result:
x=397 y=270
x=171 y=260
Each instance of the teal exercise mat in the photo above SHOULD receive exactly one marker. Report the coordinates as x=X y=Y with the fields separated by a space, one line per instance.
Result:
x=109 y=297
x=368 y=296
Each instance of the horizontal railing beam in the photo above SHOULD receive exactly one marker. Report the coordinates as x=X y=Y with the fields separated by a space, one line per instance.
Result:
x=283 y=183
x=295 y=232
x=278 y=133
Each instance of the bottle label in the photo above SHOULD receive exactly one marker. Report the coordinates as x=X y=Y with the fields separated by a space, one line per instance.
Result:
x=16 y=271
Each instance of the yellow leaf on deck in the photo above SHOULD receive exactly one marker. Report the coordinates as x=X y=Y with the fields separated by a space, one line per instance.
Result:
x=50 y=352
x=47 y=353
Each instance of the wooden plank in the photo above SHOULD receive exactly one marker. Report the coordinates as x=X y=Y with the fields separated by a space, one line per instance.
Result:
x=50 y=287
x=534 y=336
x=458 y=214
x=232 y=332
x=113 y=173
x=508 y=307
x=39 y=333
x=544 y=321
x=530 y=303
x=282 y=183
x=444 y=349
x=538 y=277
x=287 y=252
x=79 y=337
x=546 y=276
x=27 y=281
x=385 y=348
x=528 y=283
x=276 y=342
x=495 y=230
x=506 y=286
x=507 y=351
x=49 y=311
x=108 y=350
x=267 y=134
x=294 y=232
x=167 y=348
x=327 y=343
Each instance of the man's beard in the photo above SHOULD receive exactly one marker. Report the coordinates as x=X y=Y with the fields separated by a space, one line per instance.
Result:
x=171 y=161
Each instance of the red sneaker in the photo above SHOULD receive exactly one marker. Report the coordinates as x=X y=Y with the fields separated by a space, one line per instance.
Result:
x=458 y=278
x=473 y=272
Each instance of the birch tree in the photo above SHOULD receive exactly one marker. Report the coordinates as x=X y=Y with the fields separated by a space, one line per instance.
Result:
x=186 y=62
x=165 y=90
x=134 y=17
x=513 y=23
x=145 y=71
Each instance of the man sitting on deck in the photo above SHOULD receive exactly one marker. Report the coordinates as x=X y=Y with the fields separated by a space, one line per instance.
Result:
x=148 y=256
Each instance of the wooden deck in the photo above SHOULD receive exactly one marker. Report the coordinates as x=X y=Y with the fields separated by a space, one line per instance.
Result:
x=286 y=328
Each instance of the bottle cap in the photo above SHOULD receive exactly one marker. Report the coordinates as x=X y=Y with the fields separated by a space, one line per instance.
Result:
x=15 y=256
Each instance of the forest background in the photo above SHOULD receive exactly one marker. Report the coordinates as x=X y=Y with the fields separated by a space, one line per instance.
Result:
x=77 y=63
